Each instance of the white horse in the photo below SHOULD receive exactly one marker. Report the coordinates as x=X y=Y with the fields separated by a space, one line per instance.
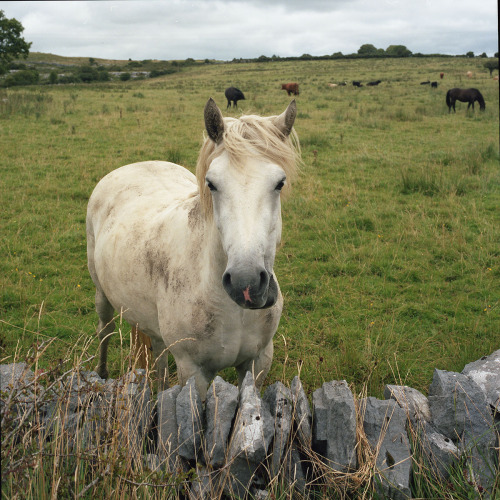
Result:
x=189 y=260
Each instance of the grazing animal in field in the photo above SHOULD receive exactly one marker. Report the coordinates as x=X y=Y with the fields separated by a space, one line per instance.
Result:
x=343 y=84
x=464 y=95
x=189 y=260
x=425 y=83
x=233 y=95
x=495 y=78
x=332 y=85
x=441 y=75
x=434 y=85
x=357 y=84
x=374 y=83
x=291 y=88
x=469 y=74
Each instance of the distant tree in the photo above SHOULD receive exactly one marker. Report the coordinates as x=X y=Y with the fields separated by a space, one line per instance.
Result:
x=469 y=54
x=87 y=74
x=398 y=51
x=12 y=44
x=491 y=64
x=367 y=49
x=103 y=75
x=125 y=76
x=496 y=55
x=484 y=55
x=24 y=77
x=91 y=61
x=53 y=78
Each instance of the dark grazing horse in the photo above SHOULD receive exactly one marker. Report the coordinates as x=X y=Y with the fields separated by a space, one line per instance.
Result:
x=464 y=95
x=233 y=94
x=291 y=88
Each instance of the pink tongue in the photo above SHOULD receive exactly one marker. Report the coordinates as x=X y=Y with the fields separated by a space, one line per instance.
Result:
x=246 y=294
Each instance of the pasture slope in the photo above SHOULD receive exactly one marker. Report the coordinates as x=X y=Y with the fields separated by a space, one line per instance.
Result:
x=390 y=257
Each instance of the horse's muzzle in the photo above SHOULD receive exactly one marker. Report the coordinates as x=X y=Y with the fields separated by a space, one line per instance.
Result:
x=251 y=290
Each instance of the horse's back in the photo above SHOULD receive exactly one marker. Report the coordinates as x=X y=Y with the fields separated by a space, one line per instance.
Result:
x=150 y=184
x=147 y=177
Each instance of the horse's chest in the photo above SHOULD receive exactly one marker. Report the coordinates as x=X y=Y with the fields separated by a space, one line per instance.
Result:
x=222 y=338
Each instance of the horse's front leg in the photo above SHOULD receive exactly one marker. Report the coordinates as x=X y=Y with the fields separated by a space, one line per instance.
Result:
x=186 y=369
x=160 y=354
x=259 y=366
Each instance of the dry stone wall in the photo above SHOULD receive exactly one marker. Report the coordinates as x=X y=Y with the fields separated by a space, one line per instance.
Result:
x=236 y=440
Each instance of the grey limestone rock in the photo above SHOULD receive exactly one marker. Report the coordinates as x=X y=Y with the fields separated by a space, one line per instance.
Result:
x=412 y=401
x=486 y=374
x=167 y=426
x=17 y=396
x=15 y=376
x=189 y=412
x=279 y=399
x=250 y=439
x=221 y=405
x=205 y=486
x=334 y=425
x=384 y=426
x=302 y=413
x=295 y=470
x=133 y=409
x=461 y=412
x=439 y=451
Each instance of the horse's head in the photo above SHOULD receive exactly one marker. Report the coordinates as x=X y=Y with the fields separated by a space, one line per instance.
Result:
x=250 y=164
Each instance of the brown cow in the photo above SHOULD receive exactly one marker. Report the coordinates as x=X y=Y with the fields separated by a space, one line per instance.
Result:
x=291 y=88
x=441 y=75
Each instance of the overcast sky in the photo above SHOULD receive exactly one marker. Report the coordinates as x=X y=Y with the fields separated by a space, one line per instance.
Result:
x=227 y=29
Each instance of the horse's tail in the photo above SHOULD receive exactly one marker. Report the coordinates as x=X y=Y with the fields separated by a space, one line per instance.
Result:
x=448 y=98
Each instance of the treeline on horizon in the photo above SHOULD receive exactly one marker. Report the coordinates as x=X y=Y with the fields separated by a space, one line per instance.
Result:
x=44 y=72
x=366 y=51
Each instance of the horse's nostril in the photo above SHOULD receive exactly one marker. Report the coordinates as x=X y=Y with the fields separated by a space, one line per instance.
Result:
x=263 y=279
x=226 y=280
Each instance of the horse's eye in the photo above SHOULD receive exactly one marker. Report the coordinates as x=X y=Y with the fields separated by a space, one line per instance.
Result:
x=280 y=185
x=211 y=186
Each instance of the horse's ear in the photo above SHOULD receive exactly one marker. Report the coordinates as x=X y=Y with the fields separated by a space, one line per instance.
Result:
x=214 y=123
x=285 y=121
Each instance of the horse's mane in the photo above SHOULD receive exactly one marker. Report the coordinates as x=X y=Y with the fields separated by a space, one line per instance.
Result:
x=245 y=137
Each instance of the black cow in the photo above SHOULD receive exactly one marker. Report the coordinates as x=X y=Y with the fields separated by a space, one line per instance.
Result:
x=357 y=84
x=434 y=85
x=233 y=94
x=425 y=83
x=373 y=84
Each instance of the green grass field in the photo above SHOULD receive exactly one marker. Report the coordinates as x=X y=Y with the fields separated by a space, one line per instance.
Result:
x=390 y=258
